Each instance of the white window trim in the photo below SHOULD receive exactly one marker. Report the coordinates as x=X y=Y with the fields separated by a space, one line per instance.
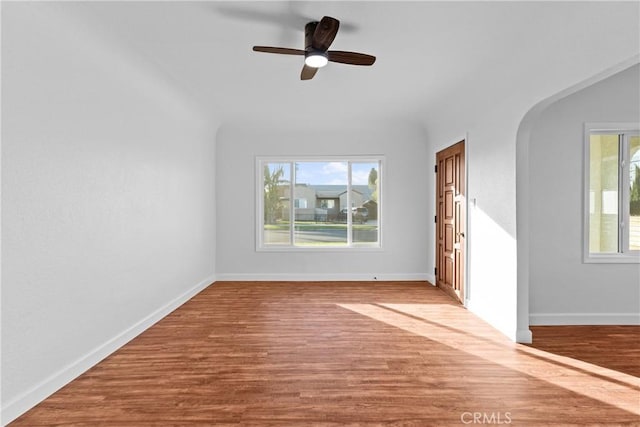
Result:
x=629 y=257
x=350 y=247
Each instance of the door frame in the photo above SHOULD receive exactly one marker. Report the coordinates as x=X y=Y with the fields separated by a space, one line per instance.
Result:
x=466 y=288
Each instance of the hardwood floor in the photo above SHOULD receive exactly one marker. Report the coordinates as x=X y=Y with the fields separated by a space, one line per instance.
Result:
x=613 y=347
x=346 y=353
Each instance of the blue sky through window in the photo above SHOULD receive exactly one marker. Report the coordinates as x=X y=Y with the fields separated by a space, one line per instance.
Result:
x=332 y=173
x=327 y=173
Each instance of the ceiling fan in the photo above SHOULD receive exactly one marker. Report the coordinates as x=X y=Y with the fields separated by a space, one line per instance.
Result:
x=318 y=36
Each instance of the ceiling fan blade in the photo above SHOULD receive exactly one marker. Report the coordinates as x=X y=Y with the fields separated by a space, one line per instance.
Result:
x=353 y=58
x=325 y=32
x=308 y=72
x=280 y=50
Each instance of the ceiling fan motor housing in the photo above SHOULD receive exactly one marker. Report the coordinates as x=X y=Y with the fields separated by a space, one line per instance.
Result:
x=315 y=58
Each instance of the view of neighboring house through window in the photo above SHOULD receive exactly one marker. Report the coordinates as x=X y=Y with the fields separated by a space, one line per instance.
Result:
x=336 y=203
x=613 y=230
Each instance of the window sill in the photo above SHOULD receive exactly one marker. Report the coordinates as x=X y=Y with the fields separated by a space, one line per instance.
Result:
x=633 y=258
x=301 y=249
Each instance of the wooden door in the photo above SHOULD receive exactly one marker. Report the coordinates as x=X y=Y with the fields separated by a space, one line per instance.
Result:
x=450 y=220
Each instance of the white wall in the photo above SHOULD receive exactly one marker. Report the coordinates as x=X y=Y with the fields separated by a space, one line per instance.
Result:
x=107 y=203
x=407 y=224
x=491 y=229
x=497 y=149
x=498 y=230
x=564 y=290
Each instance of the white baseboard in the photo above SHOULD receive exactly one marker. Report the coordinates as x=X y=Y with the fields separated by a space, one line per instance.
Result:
x=27 y=400
x=524 y=336
x=558 y=319
x=322 y=277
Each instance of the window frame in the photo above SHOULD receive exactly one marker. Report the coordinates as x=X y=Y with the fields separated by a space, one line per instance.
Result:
x=623 y=256
x=260 y=161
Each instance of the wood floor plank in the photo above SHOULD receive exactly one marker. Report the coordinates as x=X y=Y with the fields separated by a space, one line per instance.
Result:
x=594 y=344
x=347 y=353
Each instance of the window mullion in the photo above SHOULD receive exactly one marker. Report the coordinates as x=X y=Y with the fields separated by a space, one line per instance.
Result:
x=624 y=194
x=349 y=212
x=620 y=193
x=292 y=202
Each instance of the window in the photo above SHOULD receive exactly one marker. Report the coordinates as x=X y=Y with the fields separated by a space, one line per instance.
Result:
x=336 y=203
x=327 y=203
x=612 y=202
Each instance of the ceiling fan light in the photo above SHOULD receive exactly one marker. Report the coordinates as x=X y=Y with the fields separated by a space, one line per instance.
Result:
x=316 y=60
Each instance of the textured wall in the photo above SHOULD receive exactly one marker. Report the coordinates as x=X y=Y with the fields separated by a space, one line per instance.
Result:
x=563 y=289
x=406 y=226
x=107 y=201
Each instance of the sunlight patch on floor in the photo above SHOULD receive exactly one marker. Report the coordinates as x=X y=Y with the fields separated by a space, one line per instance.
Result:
x=471 y=335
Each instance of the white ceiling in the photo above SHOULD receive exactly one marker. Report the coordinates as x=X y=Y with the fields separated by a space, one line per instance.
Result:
x=435 y=60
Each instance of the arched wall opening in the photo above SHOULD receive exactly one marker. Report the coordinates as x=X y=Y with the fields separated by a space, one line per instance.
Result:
x=528 y=212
